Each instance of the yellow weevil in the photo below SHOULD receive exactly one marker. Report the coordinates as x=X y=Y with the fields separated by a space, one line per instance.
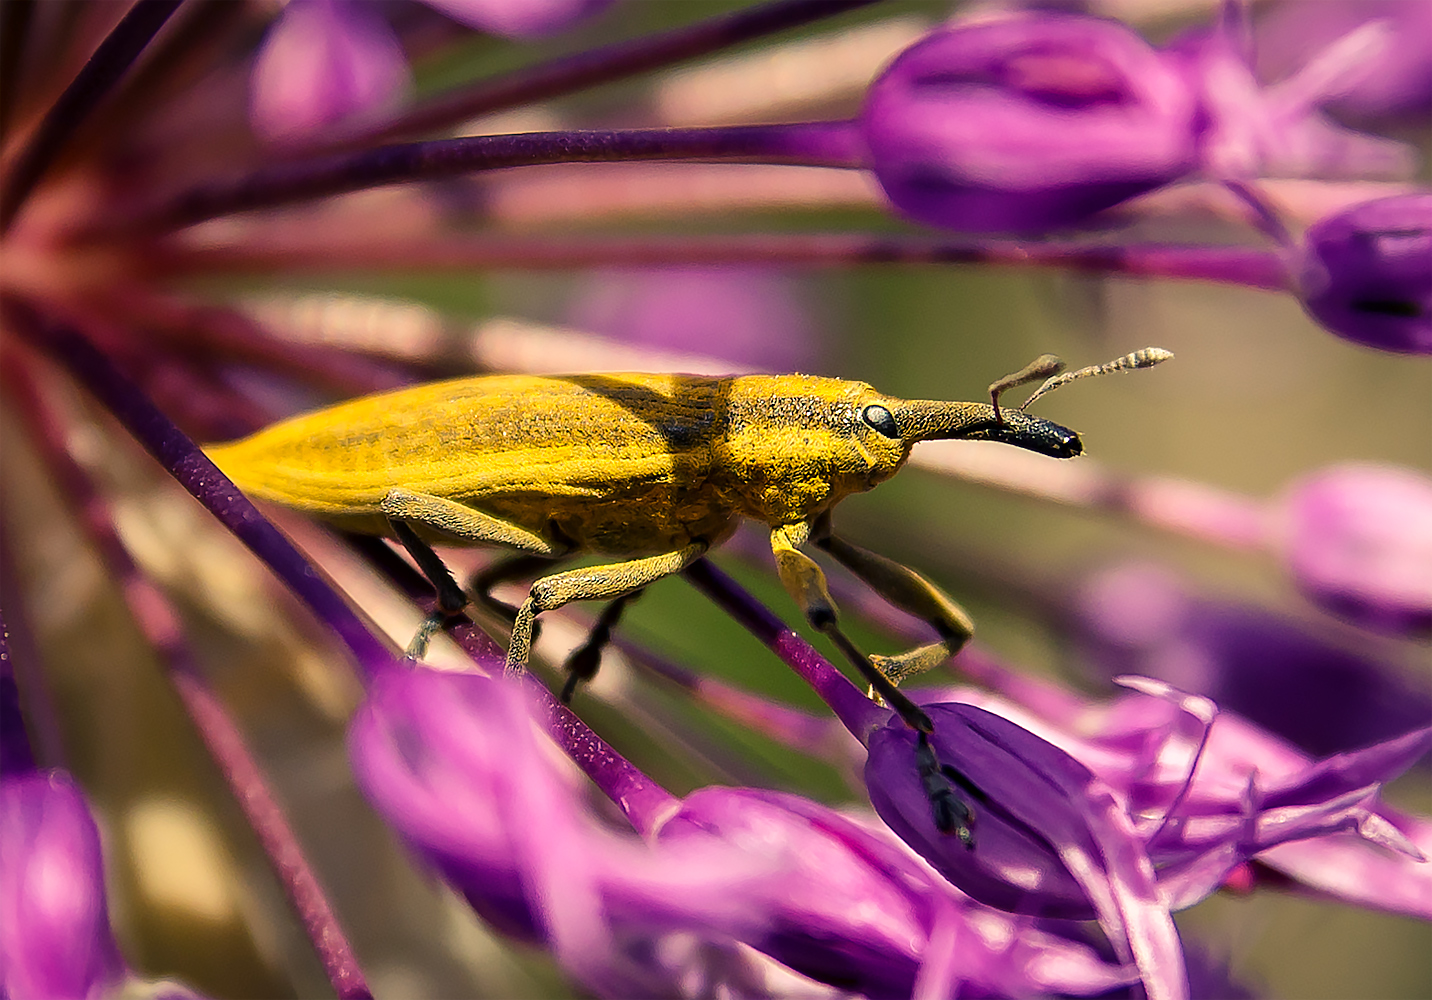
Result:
x=653 y=468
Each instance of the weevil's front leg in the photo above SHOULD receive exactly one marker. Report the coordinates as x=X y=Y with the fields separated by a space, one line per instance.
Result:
x=405 y=508
x=908 y=591
x=805 y=581
x=586 y=659
x=591 y=583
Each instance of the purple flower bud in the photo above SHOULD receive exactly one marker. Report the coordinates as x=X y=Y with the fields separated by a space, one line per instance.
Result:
x=1366 y=273
x=1026 y=123
x=323 y=63
x=751 y=317
x=55 y=938
x=1358 y=540
x=1025 y=795
x=518 y=18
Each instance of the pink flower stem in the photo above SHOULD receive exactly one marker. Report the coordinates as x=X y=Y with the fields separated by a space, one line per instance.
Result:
x=16 y=756
x=832 y=144
x=855 y=711
x=1248 y=266
x=160 y=623
x=606 y=63
x=94 y=82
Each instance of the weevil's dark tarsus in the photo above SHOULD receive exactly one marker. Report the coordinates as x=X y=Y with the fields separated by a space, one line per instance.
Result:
x=450 y=597
x=951 y=813
x=586 y=659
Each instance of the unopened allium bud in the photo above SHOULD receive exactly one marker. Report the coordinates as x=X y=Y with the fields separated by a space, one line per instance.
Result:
x=1366 y=273
x=55 y=938
x=1026 y=123
x=1358 y=540
x=324 y=62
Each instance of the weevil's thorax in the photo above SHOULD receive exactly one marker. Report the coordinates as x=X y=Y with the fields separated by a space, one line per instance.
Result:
x=797 y=444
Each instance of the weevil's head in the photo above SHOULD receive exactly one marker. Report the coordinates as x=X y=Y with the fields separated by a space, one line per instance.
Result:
x=797 y=444
x=931 y=420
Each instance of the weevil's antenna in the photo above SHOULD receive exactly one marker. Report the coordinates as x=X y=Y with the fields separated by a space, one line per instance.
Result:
x=1041 y=367
x=1146 y=358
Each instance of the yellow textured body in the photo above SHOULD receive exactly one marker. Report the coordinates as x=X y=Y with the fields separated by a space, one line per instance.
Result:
x=614 y=463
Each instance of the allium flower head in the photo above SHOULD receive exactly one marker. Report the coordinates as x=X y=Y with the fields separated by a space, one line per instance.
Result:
x=1026 y=122
x=1366 y=273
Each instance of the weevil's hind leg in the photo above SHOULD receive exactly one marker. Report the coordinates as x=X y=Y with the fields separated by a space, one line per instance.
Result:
x=591 y=583
x=404 y=508
x=586 y=659
x=908 y=591
x=805 y=581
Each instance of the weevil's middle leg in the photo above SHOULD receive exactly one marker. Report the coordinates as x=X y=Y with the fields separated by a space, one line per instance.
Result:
x=514 y=567
x=591 y=583
x=405 y=508
x=908 y=591
x=805 y=581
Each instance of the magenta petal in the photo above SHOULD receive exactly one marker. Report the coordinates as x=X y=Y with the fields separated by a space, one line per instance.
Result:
x=518 y=18
x=55 y=938
x=325 y=62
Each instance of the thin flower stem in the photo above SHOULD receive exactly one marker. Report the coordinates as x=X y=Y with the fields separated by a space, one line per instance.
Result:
x=642 y=800
x=607 y=63
x=159 y=621
x=856 y=712
x=193 y=470
x=40 y=728
x=1248 y=266
x=832 y=144
x=16 y=755
x=110 y=61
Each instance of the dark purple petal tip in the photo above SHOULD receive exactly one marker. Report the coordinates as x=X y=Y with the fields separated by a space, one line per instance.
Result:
x=1366 y=273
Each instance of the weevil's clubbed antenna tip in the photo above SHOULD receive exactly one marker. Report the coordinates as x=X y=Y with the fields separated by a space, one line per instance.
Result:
x=1146 y=358
x=1041 y=367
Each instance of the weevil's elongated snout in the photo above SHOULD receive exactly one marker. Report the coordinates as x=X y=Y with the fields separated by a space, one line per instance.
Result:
x=931 y=420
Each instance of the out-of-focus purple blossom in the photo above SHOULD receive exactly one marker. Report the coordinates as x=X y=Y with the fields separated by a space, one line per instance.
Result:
x=1026 y=123
x=1140 y=618
x=325 y=63
x=55 y=938
x=1358 y=541
x=1366 y=273
x=1208 y=793
x=1398 y=83
x=752 y=317
x=857 y=909
x=451 y=762
x=518 y=18
x=1278 y=131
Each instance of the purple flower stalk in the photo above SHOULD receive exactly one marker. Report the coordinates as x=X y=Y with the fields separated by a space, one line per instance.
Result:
x=163 y=162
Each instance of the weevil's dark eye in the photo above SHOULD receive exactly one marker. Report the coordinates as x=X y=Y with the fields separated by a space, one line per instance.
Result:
x=881 y=419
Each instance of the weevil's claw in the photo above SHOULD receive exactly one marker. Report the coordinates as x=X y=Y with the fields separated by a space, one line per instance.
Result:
x=950 y=812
